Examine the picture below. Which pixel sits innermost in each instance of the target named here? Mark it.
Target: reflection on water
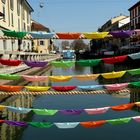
(12, 132)
(128, 131)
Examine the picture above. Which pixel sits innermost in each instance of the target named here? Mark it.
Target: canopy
(95, 35)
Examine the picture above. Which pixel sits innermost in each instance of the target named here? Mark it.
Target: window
(12, 19)
(3, 1)
(42, 43)
(18, 24)
(4, 45)
(28, 28)
(28, 17)
(12, 4)
(12, 42)
(4, 12)
(139, 10)
(23, 14)
(18, 7)
(24, 26)
(24, 44)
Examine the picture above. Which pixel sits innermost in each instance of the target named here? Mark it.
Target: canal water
(108, 132)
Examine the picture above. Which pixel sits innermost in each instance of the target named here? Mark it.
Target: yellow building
(41, 45)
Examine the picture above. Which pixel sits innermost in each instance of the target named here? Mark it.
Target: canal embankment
(27, 71)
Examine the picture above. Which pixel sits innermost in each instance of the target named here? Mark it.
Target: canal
(119, 132)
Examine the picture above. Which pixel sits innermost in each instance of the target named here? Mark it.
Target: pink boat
(35, 78)
(96, 110)
(116, 86)
(137, 118)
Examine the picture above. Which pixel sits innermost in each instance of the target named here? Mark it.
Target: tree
(79, 45)
(65, 44)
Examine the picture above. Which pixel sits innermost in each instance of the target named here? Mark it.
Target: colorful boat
(67, 35)
(113, 74)
(91, 87)
(9, 62)
(63, 64)
(123, 107)
(93, 123)
(122, 34)
(116, 86)
(87, 77)
(10, 76)
(35, 78)
(37, 89)
(9, 88)
(95, 35)
(88, 63)
(63, 88)
(66, 125)
(60, 78)
(35, 63)
(96, 110)
(113, 60)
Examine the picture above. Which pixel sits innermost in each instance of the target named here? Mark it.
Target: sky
(78, 15)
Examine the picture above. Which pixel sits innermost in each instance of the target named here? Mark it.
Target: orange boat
(9, 88)
(123, 107)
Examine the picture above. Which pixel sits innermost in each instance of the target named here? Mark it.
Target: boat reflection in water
(8, 132)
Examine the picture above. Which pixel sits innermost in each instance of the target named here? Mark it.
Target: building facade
(41, 45)
(17, 17)
(135, 16)
(115, 23)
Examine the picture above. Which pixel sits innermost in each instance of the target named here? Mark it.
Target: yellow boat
(37, 88)
(87, 77)
(95, 35)
(60, 78)
(113, 74)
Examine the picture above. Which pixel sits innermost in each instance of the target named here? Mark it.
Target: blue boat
(68, 54)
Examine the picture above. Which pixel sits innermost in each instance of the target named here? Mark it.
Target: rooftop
(135, 5)
(39, 27)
